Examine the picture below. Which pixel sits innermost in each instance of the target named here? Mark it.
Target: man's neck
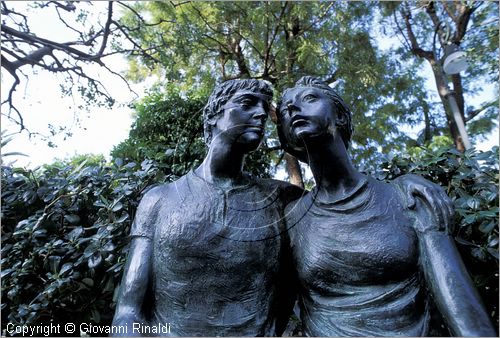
(223, 165)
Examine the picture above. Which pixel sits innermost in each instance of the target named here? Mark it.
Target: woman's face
(306, 114)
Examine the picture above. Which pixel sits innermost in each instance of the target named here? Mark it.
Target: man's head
(223, 93)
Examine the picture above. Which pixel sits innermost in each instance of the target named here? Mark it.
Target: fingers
(437, 208)
(410, 199)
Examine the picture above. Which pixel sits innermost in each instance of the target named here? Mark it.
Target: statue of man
(206, 251)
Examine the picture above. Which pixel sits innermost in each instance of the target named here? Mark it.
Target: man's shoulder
(158, 192)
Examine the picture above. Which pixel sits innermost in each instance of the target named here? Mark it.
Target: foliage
(168, 129)
(64, 229)
(77, 160)
(280, 42)
(424, 29)
(64, 237)
(471, 180)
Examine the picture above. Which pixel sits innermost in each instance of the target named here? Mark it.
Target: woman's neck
(332, 169)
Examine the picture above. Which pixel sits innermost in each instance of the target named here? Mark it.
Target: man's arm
(134, 285)
(137, 273)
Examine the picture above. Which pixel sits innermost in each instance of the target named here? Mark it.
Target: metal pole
(450, 95)
(458, 119)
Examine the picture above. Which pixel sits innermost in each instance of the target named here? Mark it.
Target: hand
(432, 194)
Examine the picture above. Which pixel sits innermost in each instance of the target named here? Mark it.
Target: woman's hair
(222, 93)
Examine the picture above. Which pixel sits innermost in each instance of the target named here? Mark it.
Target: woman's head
(309, 110)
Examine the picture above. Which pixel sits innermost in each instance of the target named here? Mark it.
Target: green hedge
(64, 239)
(65, 227)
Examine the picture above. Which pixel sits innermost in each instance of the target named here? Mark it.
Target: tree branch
(415, 47)
(473, 113)
(465, 13)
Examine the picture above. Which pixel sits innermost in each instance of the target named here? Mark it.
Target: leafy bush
(64, 238)
(471, 180)
(168, 129)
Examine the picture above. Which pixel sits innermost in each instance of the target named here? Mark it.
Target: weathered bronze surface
(206, 251)
(364, 259)
(221, 253)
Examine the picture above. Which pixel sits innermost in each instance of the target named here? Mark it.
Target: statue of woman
(366, 263)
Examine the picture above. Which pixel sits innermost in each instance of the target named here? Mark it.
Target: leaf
(479, 253)
(109, 246)
(493, 242)
(464, 242)
(88, 281)
(72, 218)
(95, 260)
(54, 263)
(66, 267)
(6, 272)
(122, 218)
(100, 203)
(77, 169)
(96, 317)
(75, 233)
(493, 252)
(486, 227)
(490, 195)
(469, 219)
(473, 203)
(117, 207)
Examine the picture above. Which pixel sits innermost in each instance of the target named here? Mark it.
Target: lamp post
(453, 62)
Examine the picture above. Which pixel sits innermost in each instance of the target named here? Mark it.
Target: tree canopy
(425, 29)
(196, 44)
(280, 42)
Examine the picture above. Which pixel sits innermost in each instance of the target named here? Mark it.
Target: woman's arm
(448, 280)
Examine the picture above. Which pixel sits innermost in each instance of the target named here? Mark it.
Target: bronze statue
(206, 251)
(209, 253)
(364, 259)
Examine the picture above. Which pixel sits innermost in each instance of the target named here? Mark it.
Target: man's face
(243, 120)
(305, 114)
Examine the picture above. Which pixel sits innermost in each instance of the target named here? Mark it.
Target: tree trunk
(293, 169)
(291, 163)
(444, 91)
(427, 130)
